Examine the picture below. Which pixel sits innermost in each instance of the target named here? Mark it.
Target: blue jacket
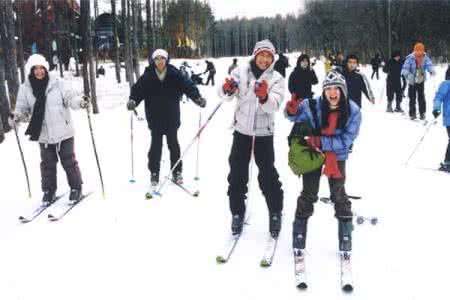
(409, 68)
(442, 98)
(340, 142)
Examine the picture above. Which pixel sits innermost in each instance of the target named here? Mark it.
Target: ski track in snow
(126, 247)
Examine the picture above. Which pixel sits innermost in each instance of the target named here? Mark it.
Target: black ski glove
(436, 113)
(131, 105)
(200, 102)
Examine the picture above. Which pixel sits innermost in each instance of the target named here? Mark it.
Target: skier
(339, 62)
(46, 99)
(259, 91)
(185, 69)
(281, 64)
(393, 69)
(211, 70)
(328, 65)
(334, 121)
(416, 65)
(356, 82)
(375, 62)
(302, 78)
(161, 87)
(233, 66)
(442, 100)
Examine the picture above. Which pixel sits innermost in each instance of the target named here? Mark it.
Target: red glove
(313, 141)
(261, 91)
(230, 86)
(292, 105)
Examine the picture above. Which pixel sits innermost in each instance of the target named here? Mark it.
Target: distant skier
(442, 103)
(233, 66)
(161, 87)
(393, 69)
(281, 64)
(415, 69)
(331, 123)
(376, 63)
(47, 100)
(356, 82)
(302, 78)
(339, 62)
(259, 91)
(211, 70)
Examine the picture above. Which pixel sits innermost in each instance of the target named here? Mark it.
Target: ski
(228, 249)
(67, 209)
(38, 211)
(300, 269)
(346, 272)
(269, 252)
(189, 192)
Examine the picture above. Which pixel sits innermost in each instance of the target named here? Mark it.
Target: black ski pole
(23, 159)
(189, 146)
(420, 142)
(95, 151)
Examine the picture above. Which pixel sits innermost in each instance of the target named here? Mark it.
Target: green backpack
(301, 158)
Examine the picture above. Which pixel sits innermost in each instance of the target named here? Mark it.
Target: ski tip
(264, 263)
(52, 218)
(348, 288)
(23, 220)
(302, 286)
(220, 260)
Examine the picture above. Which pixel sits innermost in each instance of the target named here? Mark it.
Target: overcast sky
(224, 9)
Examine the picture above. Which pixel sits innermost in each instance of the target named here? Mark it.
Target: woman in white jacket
(44, 98)
(259, 91)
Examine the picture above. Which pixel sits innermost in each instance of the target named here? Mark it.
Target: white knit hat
(36, 60)
(264, 45)
(160, 52)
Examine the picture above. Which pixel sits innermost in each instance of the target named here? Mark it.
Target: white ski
(346, 272)
(269, 252)
(300, 270)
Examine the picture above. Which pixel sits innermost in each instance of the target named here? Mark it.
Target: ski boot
(48, 198)
(237, 224)
(398, 109)
(177, 177)
(389, 107)
(75, 195)
(345, 228)
(422, 117)
(299, 233)
(275, 224)
(413, 117)
(445, 166)
(154, 180)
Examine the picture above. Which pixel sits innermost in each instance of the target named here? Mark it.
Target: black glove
(131, 105)
(436, 113)
(200, 102)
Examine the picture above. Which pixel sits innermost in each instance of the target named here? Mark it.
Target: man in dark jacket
(212, 72)
(302, 78)
(357, 83)
(375, 62)
(281, 64)
(161, 87)
(393, 69)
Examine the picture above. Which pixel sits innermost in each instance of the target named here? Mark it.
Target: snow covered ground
(125, 247)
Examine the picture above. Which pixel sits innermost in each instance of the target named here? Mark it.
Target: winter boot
(299, 233)
(275, 224)
(177, 177)
(413, 117)
(237, 224)
(75, 195)
(154, 179)
(49, 197)
(422, 116)
(389, 107)
(345, 228)
(398, 108)
(445, 166)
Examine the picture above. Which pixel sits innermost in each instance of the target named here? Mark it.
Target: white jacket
(247, 105)
(57, 125)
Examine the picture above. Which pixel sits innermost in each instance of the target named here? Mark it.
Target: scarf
(255, 70)
(331, 168)
(37, 118)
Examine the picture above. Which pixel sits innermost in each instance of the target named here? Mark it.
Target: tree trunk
(129, 45)
(94, 49)
(11, 53)
(149, 27)
(135, 39)
(21, 63)
(115, 40)
(59, 33)
(125, 28)
(4, 103)
(46, 32)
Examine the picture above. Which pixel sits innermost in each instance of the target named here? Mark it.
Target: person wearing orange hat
(416, 65)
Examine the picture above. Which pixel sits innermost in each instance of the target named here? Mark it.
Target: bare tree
(11, 53)
(135, 38)
(115, 40)
(46, 31)
(20, 58)
(4, 103)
